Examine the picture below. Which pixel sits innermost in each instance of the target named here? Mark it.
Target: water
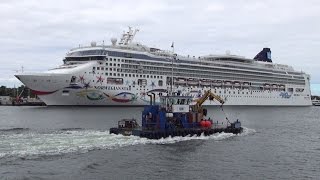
(74, 143)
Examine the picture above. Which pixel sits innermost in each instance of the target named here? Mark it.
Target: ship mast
(128, 36)
(173, 58)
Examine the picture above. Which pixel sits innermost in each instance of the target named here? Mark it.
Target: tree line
(23, 91)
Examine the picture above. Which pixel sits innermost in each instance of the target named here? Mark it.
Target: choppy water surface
(74, 143)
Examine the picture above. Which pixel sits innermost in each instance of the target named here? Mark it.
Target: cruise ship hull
(74, 99)
(54, 91)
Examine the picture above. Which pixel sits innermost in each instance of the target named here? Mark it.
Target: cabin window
(160, 83)
(98, 68)
(116, 81)
(102, 68)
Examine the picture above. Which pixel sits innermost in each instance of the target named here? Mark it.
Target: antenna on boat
(171, 91)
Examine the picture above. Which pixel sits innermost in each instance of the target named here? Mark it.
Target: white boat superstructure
(125, 73)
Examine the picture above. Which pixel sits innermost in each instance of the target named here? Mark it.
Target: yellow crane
(211, 96)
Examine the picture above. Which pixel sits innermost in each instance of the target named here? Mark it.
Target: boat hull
(158, 134)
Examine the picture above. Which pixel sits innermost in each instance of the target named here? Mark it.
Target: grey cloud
(37, 34)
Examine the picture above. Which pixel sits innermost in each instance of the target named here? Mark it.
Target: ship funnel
(264, 55)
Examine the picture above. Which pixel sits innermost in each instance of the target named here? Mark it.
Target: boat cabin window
(175, 100)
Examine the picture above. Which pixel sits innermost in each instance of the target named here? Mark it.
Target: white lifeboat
(193, 81)
(180, 81)
(281, 86)
(205, 82)
(217, 83)
(237, 84)
(227, 83)
(245, 84)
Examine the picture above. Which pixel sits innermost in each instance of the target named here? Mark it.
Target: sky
(37, 34)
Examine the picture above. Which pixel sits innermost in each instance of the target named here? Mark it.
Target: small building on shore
(5, 100)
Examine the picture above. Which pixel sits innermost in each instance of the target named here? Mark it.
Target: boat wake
(33, 144)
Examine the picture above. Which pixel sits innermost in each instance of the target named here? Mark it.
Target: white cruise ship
(124, 73)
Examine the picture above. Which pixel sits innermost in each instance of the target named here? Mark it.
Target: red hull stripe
(42, 92)
(121, 100)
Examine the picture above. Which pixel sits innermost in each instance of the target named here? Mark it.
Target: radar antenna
(127, 37)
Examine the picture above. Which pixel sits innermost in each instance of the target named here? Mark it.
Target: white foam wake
(45, 144)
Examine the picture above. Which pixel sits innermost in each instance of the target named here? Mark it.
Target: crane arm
(218, 98)
(209, 95)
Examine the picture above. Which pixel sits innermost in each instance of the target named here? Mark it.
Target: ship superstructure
(125, 72)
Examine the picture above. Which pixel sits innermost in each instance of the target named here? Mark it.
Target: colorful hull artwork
(93, 95)
(123, 97)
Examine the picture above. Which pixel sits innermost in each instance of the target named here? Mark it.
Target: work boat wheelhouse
(124, 72)
(175, 117)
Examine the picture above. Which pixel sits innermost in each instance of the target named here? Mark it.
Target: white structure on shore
(5, 100)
